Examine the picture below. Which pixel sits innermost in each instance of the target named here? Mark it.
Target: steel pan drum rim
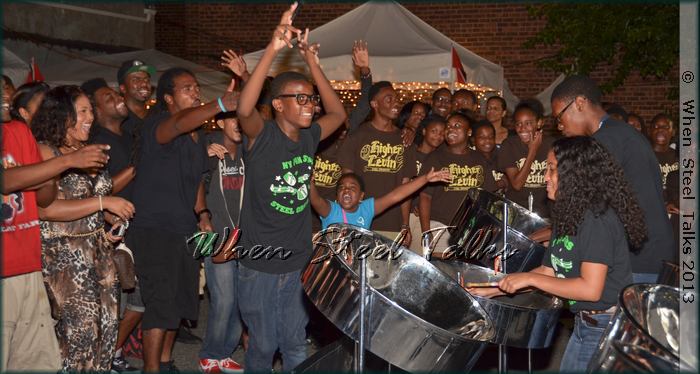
(559, 304)
(634, 320)
(475, 303)
(519, 207)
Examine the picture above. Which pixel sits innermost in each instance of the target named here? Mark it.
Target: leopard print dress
(81, 278)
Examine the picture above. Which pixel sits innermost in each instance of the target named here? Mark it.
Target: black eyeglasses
(302, 99)
(558, 118)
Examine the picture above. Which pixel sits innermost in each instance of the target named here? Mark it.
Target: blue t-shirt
(362, 217)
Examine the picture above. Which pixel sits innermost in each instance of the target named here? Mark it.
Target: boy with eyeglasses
(276, 216)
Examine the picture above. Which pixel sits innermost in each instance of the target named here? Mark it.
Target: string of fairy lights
(349, 93)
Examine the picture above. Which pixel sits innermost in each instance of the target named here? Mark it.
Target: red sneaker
(209, 366)
(227, 365)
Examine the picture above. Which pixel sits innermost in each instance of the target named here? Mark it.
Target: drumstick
(480, 284)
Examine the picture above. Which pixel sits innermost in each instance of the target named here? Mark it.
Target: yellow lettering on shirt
(326, 173)
(536, 177)
(383, 158)
(464, 177)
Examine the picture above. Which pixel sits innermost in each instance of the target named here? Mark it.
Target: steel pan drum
(647, 318)
(477, 231)
(525, 320)
(417, 318)
(670, 274)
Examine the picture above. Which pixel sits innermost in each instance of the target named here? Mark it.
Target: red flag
(34, 74)
(459, 69)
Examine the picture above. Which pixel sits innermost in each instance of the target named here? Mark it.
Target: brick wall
(494, 31)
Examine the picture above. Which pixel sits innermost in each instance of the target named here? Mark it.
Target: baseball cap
(133, 66)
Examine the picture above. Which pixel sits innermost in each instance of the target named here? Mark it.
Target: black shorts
(168, 277)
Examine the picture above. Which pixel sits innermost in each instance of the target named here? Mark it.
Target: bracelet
(405, 226)
(221, 105)
(99, 198)
(362, 76)
(207, 211)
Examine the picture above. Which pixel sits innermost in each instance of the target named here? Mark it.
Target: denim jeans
(645, 277)
(224, 322)
(583, 342)
(272, 306)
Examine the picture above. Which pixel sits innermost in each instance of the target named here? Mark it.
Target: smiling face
(457, 131)
(434, 134)
(463, 101)
(418, 112)
(231, 129)
(385, 103)
(442, 103)
(300, 116)
(526, 124)
(485, 139)
(109, 104)
(551, 176)
(7, 92)
(137, 87)
(349, 193)
(79, 132)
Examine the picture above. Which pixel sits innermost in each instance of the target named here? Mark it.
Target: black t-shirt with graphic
(276, 212)
(512, 154)
(634, 154)
(327, 172)
(668, 162)
(602, 240)
(466, 173)
(379, 158)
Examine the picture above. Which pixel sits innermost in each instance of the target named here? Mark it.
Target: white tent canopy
(14, 67)
(402, 48)
(213, 83)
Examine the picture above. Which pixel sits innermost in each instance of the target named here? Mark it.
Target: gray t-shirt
(224, 179)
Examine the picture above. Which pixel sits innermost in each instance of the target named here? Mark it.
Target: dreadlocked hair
(590, 179)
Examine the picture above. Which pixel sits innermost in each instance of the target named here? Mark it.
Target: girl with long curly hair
(595, 220)
(77, 265)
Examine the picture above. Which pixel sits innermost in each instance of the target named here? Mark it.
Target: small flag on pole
(461, 75)
(34, 74)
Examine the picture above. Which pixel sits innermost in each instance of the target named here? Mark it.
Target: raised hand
(439, 176)
(308, 52)
(536, 141)
(92, 156)
(360, 55)
(284, 32)
(234, 62)
(230, 100)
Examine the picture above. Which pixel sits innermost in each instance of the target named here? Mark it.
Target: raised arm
(403, 191)
(236, 64)
(190, 119)
(320, 205)
(250, 120)
(335, 112)
(360, 58)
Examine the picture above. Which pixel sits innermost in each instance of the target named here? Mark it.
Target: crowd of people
(92, 174)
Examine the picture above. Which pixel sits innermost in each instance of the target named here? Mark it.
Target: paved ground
(186, 355)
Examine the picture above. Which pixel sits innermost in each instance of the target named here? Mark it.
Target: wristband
(221, 105)
(99, 198)
(405, 226)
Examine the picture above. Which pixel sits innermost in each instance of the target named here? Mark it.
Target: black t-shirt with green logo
(602, 240)
(276, 214)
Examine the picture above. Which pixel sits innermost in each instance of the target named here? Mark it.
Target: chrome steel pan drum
(477, 231)
(647, 318)
(525, 320)
(417, 318)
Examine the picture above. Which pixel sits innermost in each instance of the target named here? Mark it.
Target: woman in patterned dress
(79, 273)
